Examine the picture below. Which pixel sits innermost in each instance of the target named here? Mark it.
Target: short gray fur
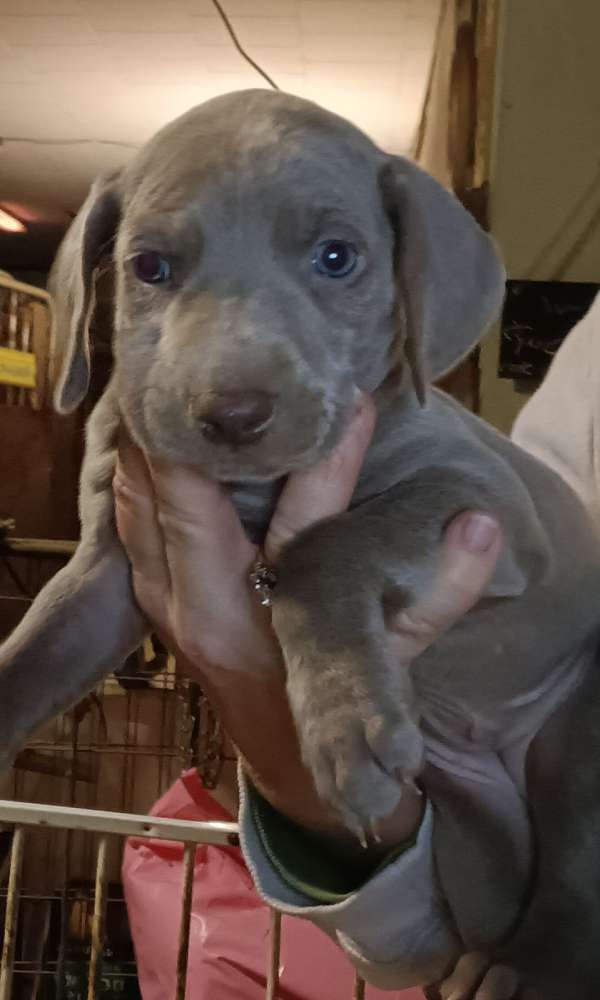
(238, 192)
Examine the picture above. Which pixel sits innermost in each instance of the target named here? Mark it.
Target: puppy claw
(411, 783)
(374, 827)
(362, 839)
(354, 825)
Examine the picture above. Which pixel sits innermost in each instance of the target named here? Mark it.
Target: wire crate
(114, 753)
(117, 751)
(87, 962)
(25, 363)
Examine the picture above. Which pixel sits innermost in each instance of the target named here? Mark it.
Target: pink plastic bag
(229, 925)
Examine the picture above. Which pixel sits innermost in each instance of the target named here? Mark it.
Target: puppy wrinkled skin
(268, 260)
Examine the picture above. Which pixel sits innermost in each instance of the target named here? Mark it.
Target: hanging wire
(242, 51)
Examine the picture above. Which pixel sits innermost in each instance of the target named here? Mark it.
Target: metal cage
(89, 773)
(24, 343)
(79, 789)
(112, 755)
(104, 828)
(107, 827)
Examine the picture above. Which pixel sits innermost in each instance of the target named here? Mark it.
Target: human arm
(190, 561)
(173, 522)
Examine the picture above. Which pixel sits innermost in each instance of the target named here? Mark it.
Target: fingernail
(479, 532)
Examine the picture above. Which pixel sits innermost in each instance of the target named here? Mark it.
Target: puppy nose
(235, 417)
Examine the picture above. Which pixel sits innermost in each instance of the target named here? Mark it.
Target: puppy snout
(234, 418)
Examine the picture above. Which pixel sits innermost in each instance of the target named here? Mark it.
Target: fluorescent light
(10, 224)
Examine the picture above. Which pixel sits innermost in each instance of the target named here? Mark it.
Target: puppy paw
(361, 750)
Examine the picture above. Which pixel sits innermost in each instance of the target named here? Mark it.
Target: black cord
(241, 51)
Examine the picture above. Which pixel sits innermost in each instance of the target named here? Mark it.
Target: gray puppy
(269, 259)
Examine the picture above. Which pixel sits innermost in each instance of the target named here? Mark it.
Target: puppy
(269, 259)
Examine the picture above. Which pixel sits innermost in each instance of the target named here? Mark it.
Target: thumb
(326, 488)
(467, 561)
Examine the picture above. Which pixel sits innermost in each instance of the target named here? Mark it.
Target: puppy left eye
(335, 258)
(151, 268)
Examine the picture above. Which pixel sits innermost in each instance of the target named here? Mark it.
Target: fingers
(137, 521)
(326, 488)
(214, 615)
(186, 542)
(190, 560)
(469, 553)
(196, 515)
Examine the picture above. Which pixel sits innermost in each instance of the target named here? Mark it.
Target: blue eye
(151, 268)
(335, 258)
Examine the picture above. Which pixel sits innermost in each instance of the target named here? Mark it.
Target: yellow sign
(17, 368)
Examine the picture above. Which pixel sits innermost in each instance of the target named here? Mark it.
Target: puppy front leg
(82, 625)
(352, 704)
(85, 621)
(352, 701)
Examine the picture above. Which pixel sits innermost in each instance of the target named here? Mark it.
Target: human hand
(190, 562)
(191, 558)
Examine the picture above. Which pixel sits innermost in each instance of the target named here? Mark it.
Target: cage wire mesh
(24, 343)
(118, 750)
(93, 975)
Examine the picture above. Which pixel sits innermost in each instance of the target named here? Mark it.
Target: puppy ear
(71, 285)
(450, 282)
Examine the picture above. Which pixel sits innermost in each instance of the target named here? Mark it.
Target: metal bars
(98, 918)
(189, 856)
(110, 824)
(274, 956)
(24, 344)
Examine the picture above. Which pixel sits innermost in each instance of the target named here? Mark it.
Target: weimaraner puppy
(269, 259)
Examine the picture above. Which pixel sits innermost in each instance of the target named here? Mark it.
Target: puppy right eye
(151, 268)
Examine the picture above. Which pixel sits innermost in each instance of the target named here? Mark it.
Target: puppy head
(269, 258)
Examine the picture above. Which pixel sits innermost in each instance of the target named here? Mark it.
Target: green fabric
(307, 868)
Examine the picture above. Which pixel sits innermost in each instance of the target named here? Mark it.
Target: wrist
(326, 864)
(254, 711)
(226, 661)
(300, 804)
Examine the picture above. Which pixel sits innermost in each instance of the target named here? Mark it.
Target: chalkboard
(536, 318)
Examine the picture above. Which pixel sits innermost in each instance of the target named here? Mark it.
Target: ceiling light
(9, 223)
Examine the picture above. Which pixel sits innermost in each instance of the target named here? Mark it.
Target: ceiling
(116, 70)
